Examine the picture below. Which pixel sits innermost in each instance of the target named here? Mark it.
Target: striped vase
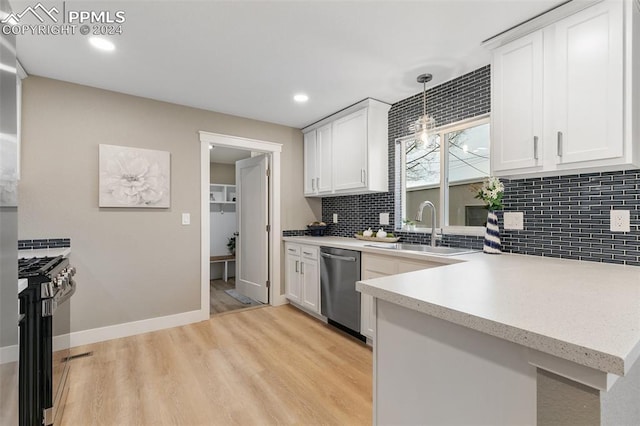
(492, 235)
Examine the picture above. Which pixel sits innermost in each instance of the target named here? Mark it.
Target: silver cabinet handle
(363, 177)
(559, 144)
(302, 268)
(292, 250)
(535, 147)
(313, 184)
(318, 184)
(307, 253)
(297, 263)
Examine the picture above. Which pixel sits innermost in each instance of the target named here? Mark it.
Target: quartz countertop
(48, 252)
(584, 312)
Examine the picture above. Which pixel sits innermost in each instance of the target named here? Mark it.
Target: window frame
(401, 179)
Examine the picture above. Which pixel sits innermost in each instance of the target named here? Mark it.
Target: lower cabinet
(376, 266)
(302, 276)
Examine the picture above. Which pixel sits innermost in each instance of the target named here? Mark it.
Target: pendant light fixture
(423, 127)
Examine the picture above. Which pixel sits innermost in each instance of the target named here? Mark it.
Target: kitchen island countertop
(584, 312)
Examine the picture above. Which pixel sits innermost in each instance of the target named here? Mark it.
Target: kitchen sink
(441, 251)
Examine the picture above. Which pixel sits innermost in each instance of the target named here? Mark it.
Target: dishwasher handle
(333, 256)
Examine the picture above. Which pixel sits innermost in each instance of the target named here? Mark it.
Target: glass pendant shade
(424, 126)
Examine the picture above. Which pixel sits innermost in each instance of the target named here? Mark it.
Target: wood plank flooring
(273, 365)
(221, 301)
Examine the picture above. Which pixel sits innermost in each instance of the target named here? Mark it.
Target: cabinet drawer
(309, 252)
(383, 265)
(292, 249)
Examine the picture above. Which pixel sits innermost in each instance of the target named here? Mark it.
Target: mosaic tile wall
(568, 216)
(44, 243)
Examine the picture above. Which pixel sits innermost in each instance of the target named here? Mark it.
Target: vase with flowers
(491, 192)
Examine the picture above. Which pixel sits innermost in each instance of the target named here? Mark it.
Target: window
(447, 178)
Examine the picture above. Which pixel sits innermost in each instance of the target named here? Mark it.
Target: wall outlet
(514, 221)
(186, 219)
(335, 218)
(384, 218)
(620, 221)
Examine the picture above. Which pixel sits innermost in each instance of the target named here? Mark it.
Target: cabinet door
(310, 160)
(350, 151)
(589, 90)
(292, 277)
(368, 309)
(324, 166)
(517, 90)
(407, 266)
(310, 279)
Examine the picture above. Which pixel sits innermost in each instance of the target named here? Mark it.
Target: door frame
(274, 149)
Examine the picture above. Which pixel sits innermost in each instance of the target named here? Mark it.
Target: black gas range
(44, 313)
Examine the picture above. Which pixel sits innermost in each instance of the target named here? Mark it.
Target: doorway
(223, 231)
(273, 153)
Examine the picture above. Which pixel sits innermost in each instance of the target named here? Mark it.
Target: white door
(350, 147)
(252, 251)
(310, 161)
(589, 94)
(324, 165)
(517, 104)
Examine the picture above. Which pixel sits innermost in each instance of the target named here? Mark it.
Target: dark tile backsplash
(566, 216)
(44, 243)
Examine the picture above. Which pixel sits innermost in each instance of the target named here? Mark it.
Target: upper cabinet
(563, 94)
(347, 153)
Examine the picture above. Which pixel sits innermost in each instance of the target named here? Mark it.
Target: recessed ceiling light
(102, 43)
(301, 98)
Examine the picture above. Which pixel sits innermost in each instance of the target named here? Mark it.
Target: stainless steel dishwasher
(339, 271)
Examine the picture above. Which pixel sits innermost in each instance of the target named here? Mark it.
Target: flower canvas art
(134, 177)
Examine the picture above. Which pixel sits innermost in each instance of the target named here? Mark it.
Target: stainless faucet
(433, 219)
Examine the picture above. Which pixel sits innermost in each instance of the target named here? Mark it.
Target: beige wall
(133, 264)
(222, 173)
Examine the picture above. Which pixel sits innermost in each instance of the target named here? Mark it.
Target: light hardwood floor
(221, 302)
(271, 365)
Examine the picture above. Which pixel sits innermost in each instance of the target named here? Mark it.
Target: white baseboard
(95, 335)
(8, 354)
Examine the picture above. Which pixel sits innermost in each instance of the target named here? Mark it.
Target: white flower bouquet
(491, 192)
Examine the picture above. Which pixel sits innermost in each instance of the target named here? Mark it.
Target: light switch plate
(514, 221)
(186, 219)
(384, 218)
(335, 218)
(620, 221)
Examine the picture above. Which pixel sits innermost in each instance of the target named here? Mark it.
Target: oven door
(56, 342)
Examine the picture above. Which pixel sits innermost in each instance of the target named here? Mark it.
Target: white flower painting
(134, 177)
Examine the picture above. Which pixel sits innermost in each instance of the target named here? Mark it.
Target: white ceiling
(249, 58)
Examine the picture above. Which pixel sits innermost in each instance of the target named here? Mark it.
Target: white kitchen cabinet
(563, 95)
(347, 153)
(350, 165)
(516, 130)
(318, 179)
(376, 266)
(302, 276)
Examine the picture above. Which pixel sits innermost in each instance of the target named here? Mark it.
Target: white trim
(95, 335)
(21, 71)
(275, 237)
(545, 19)
(8, 354)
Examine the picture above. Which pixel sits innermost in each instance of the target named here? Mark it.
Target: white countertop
(50, 252)
(584, 312)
